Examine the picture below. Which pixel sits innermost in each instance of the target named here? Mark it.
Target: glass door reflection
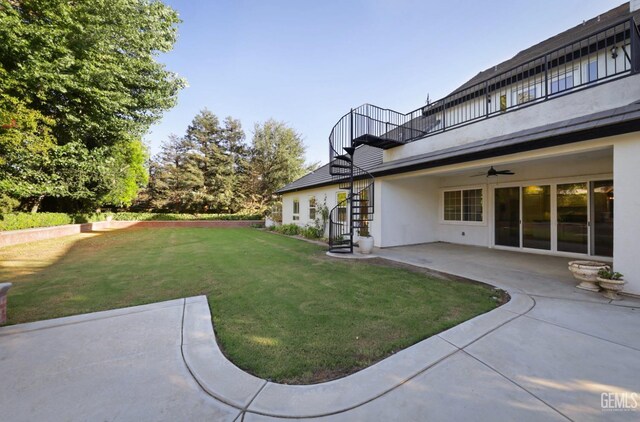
(573, 217)
(507, 217)
(602, 201)
(536, 217)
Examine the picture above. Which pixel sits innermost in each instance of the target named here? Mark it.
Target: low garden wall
(16, 237)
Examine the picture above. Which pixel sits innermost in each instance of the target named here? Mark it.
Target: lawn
(282, 309)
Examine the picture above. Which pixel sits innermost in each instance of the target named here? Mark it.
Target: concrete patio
(548, 354)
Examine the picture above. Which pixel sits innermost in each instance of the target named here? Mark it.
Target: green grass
(281, 308)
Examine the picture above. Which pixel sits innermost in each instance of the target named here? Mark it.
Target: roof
(365, 157)
(601, 124)
(558, 41)
(597, 125)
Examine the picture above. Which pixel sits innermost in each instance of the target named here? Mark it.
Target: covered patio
(532, 274)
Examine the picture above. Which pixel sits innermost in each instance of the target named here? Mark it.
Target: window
(592, 71)
(312, 207)
(562, 82)
(524, 95)
(463, 205)
(296, 209)
(341, 199)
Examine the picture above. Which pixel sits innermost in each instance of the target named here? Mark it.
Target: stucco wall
(598, 98)
(408, 211)
(328, 192)
(626, 159)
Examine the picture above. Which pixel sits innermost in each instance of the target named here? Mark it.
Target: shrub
(26, 220)
(149, 216)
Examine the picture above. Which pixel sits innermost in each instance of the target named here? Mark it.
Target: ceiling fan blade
(505, 172)
(479, 174)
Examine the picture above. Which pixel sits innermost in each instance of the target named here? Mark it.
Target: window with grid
(463, 205)
(472, 205)
(452, 205)
(312, 207)
(296, 209)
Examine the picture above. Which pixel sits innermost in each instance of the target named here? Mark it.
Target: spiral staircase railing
(365, 125)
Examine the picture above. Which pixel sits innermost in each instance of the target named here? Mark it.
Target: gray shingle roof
(558, 41)
(605, 123)
(366, 158)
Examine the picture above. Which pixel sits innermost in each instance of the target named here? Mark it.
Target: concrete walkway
(548, 354)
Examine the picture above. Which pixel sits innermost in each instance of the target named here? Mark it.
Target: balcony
(609, 54)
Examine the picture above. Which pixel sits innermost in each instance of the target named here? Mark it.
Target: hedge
(149, 216)
(24, 220)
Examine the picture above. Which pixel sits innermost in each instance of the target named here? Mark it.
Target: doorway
(574, 217)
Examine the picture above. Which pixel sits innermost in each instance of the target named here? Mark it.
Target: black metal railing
(607, 54)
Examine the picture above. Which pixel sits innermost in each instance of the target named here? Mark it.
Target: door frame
(552, 182)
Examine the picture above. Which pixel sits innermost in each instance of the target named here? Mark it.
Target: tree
(87, 68)
(276, 159)
(176, 180)
(221, 153)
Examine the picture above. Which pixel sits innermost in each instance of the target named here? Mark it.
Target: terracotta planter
(611, 288)
(365, 245)
(587, 273)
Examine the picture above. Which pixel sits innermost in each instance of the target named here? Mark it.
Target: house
(529, 155)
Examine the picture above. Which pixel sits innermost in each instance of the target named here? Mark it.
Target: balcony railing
(610, 53)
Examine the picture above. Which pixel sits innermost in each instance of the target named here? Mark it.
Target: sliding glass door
(602, 217)
(536, 217)
(574, 217)
(507, 216)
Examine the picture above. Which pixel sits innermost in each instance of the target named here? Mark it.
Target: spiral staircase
(365, 125)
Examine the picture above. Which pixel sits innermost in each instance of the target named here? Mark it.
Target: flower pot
(611, 287)
(365, 244)
(587, 273)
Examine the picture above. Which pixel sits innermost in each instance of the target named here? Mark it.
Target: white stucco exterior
(590, 200)
(626, 168)
(598, 98)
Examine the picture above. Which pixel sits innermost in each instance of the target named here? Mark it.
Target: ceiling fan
(493, 172)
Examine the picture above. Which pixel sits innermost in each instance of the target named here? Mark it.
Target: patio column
(626, 231)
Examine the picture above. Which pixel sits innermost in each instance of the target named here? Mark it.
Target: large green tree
(277, 158)
(221, 153)
(81, 81)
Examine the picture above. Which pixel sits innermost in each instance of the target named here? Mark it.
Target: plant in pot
(365, 243)
(587, 272)
(611, 283)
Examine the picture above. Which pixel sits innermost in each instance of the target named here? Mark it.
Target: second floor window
(524, 95)
(562, 82)
(296, 209)
(592, 71)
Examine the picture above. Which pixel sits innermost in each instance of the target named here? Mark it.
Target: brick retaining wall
(16, 237)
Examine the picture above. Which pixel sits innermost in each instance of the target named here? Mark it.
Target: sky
(308, 62)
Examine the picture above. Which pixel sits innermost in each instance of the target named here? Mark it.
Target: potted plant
(365, 243)
(587, 272)
(611, 282)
